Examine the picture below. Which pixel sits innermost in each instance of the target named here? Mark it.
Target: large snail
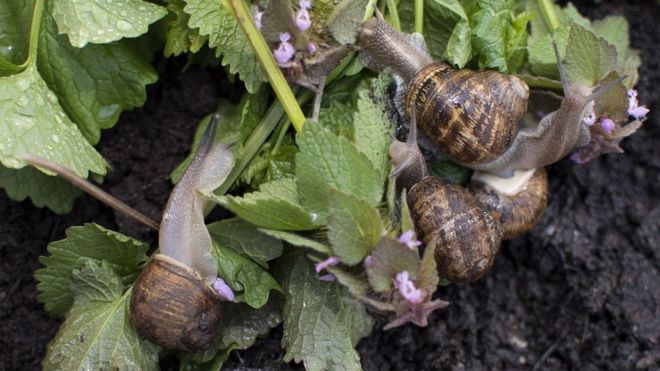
(175, 301)
(474, 116)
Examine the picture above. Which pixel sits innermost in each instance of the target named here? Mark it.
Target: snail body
(173, 302)
(467, 237)
(520, 212)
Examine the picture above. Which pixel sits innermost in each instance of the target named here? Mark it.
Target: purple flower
(634, 109)
(257, 16)
(285, 51)
(329, 262)
(407, 288)
(305, 4)
(368, 261)
(590, 118)
(303, 21)
(223, 290)
(406, 238)
(311, 48)
(327, 278)
(608, 125)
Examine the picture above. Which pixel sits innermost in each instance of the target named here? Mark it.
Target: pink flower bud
(257, 16)
(305, 4)
(608, 125)
(329, 262)
(406, 238)
(311, 48)
(223, 290)
(327, 278)
(634, 109)
(368, 261)
(303, 21)
(407, 288)
(285, 50)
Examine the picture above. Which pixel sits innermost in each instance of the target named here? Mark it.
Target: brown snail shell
(472, 116)
(172, 306)
(466, 236)
(519, 213)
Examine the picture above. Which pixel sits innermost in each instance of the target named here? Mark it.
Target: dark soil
(581, 291)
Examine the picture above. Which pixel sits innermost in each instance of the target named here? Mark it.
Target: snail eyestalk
(90, 189)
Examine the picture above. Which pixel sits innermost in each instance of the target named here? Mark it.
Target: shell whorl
(172, 306)
(472, 116)
(519, 213)
(467, 237)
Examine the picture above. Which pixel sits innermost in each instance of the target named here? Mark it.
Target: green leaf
(225, 35)
(389, 258)
(214, 363)
(328, 161)
(298, 240)
(242, 325)
(372, 132)
(90, 242)
(338, 118)
(407, 222)
(97, 333)
(275, 206)
(588, 57)
(102, 22)
(428, 272)
(499, 36)
(542, 59)
(245, 238)
(33, 122)
(44, 190)
(242, 274)
(322, 323)
(354, 227)
(269, 166)
(15, 30)
(96, 83)
(180, 38)
(451, 171)
(345, 20)
(459, 51)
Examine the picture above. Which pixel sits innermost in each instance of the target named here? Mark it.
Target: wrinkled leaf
(180, 38)
(588, 57)
(242, 274)
(322, 323)
(246, 239)
(122, 254)
(389, 258)
(372, 132)
(354, 227)
(97, 333)
(298, 240)
(345, 20)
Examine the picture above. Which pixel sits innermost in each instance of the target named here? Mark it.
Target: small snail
(467, 228)
(174, 302)
(517, 212)
(467, 237)
(472, 116)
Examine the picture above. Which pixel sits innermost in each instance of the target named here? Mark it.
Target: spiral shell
(472, 116)
(466, 236)
(172, 306)
(520, 213)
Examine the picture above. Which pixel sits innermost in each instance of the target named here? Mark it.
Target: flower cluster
(606, 134)
(329, 262)
(286, 50)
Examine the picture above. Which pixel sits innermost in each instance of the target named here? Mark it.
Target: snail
(176, 299)
(466, 224)
(518, 209)
(472, 116)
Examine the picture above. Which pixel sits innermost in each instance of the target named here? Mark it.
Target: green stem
(547, 8)
(34, 31)
(369, 10)
(419, 16)
(275, 76)
(284, 127)
(394, 14)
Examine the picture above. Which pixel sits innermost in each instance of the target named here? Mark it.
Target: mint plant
(321, 242)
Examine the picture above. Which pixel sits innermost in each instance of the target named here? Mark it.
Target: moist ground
(581, 291)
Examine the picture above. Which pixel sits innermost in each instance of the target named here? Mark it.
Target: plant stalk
(419, 16)
(549, 16)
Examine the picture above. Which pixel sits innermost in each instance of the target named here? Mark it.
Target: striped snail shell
(472, 116)
(466, 235)
(173, 306)
(517, 213)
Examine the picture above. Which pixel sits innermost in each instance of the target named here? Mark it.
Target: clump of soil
(580, 291)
